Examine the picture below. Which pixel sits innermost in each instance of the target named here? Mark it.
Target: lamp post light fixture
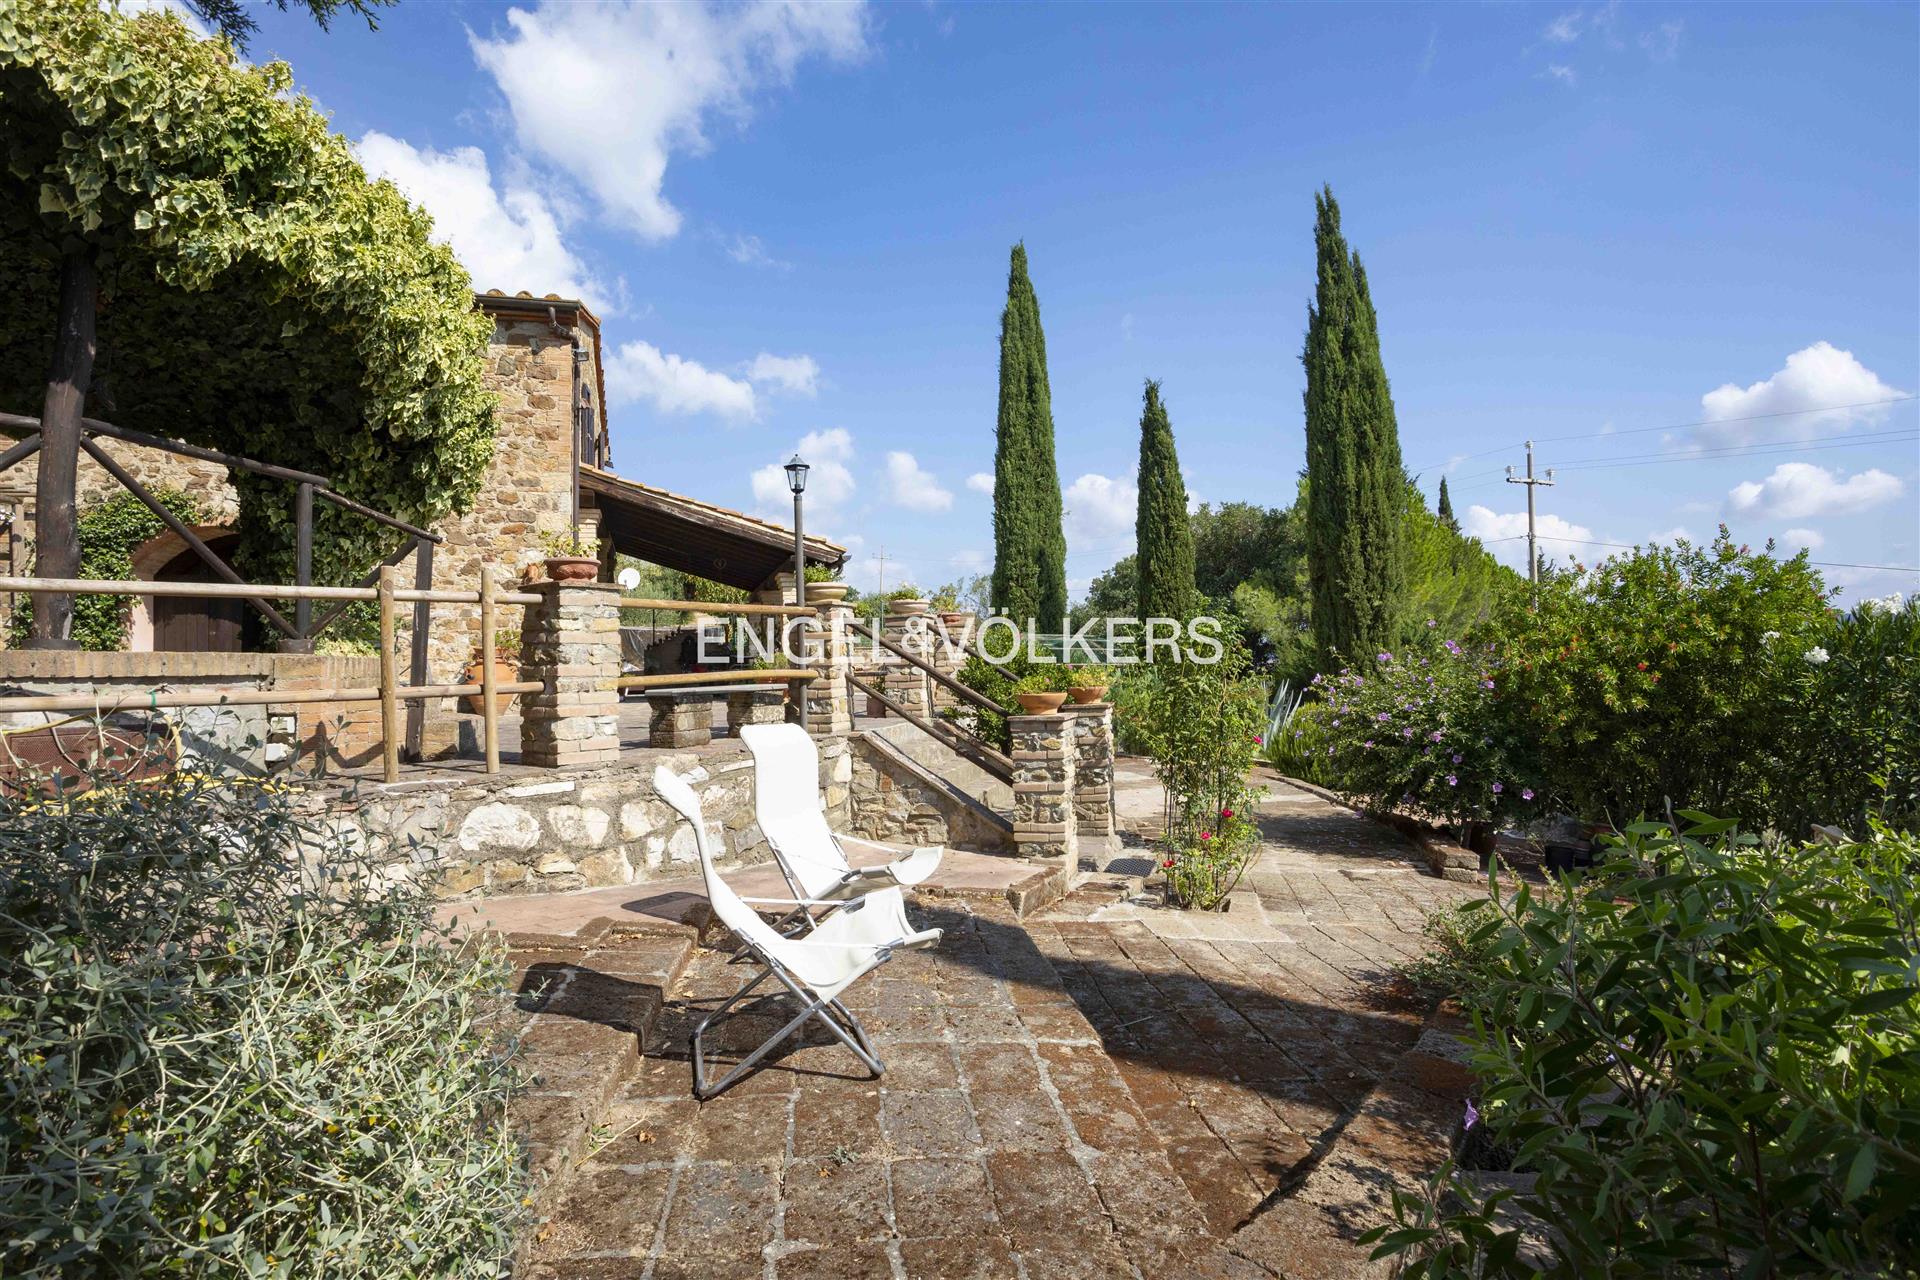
(797, 481)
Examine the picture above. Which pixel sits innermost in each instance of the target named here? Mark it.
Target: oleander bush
(1706, 1059)
(229, 1048)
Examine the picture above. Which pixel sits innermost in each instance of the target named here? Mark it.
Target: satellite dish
(628, 578)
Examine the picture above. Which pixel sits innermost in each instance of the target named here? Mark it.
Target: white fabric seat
(815, 969)
(787, 805)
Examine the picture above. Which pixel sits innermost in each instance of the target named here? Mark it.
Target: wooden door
(182, 624)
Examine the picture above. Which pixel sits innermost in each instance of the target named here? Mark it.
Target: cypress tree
(1029, 547)
(1445, 511)
(1356, 486)
(1161, 528)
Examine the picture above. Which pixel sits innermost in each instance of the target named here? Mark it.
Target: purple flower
(1406, 733)
(1473, 1115)
(1367, 743)
(1486, 684)
(1432, 623)
(1384, 657)
(1435, 735)
(1497, 788)
(1453, 647)
(1456, 757)
(1526, 793)
(1452, 781)
(1384, 716)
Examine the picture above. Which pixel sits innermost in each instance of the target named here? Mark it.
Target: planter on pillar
(570, 642)
(1043, 787)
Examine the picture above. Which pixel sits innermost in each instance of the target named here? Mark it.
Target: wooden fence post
(417, 664)
(389, 701)
(489, 710)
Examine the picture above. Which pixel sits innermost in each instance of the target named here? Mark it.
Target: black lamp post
(797, 481)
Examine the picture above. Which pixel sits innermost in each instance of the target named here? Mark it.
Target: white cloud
(981, 482)
(509, 241)
(751, 251)
(1662, 43)
(913, 486)
(1679, 533)
(1811, 539)
(673, 384)
(1505, 536)
(796, 375)
(608, 93)
(830, 484)
(1564, 74)
(1100, 509)
(1800, 490)
(1814, 378)
(1564, 29)
(969, 561)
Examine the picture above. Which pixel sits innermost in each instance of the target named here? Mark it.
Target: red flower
(1643, 666)
(1168, 864)
(1226, 813)
(1206, 835)
(1258, 740)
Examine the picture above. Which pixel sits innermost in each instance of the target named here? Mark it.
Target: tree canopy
(1029, 545)
(257, 293)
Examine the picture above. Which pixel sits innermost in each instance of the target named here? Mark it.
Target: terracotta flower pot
(826, 592)
(572, 568)
(1040, 704)
(906, 608)
(955, 621)
(504, 672)
(1085, 693)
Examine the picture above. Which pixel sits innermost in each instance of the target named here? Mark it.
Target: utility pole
(1533, 553)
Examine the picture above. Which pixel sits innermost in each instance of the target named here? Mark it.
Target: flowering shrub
(1713, 1068)
(1428, 730)
(1201, 725)
(1852, 723)
(1662, 675)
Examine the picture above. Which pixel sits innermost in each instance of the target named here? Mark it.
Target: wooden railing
(389, 693)
(945, 732)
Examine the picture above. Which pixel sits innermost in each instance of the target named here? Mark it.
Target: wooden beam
(20, 422)
(69, 377)
(955, 740)
(389, 681)
(417, 657)
(20, 452)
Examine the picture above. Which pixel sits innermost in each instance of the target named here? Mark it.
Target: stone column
(1043, 769)
(1093, 773)
(904, 683)
(571, 642)
(829, 705)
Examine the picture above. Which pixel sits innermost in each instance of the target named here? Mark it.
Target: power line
(1747, 451)
(1677, 426)
(1630, 546)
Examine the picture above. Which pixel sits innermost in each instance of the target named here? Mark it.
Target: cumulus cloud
(639, 371)
(509, 240)
(830, 483)
(796, 375)
(1809, 386)
(1100, 508)
(1679, 533)
(1811, 539)
(751, 251)
(912, 486)
(1505, 534)
(981, 482)
(609, 93)
(1800, 491)
(174, 7)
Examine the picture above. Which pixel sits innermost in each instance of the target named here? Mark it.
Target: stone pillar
(904, 683)
(679, 719)
(1093, 774)
(829, 705)
(570, 641)
(754, 706)
(1043, 770)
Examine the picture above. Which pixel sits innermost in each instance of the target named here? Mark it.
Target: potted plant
(824, 585)
(506, 669)
(906, 601)
(946, 603)
(571, 558)
(1035, 698)
(1089, 684)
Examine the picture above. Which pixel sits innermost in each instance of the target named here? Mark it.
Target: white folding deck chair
(815, 969)
(786, 804)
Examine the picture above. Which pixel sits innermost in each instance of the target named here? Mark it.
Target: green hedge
(224, 1052)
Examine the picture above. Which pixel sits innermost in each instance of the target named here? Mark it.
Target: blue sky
(1591, 225)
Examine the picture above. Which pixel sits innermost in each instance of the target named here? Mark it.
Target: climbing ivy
(109, 532)
(258, 293)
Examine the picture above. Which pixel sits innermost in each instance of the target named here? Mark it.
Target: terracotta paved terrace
(1105, 1089)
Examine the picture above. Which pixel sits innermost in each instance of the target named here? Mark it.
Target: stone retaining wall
(342, 733)
(895, 799)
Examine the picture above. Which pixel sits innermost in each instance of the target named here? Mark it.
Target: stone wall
(530, 831)
(896, 799)
(1043, 773)
(343, 734)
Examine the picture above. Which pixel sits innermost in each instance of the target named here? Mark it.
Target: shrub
(1653, 676)
(1429, 730)
(231, 1050)
(1712, 1066)
(108, 532)
(1851, 741)
(1299, 747)
(1200, 724)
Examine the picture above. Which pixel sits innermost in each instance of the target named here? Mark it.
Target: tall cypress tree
(1029, 547)
(1356, 486)
(1161, 527)
(1445, 510)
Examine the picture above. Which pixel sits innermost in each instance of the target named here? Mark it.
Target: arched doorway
(186, 624)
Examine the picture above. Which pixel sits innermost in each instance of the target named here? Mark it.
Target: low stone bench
(683, 716)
